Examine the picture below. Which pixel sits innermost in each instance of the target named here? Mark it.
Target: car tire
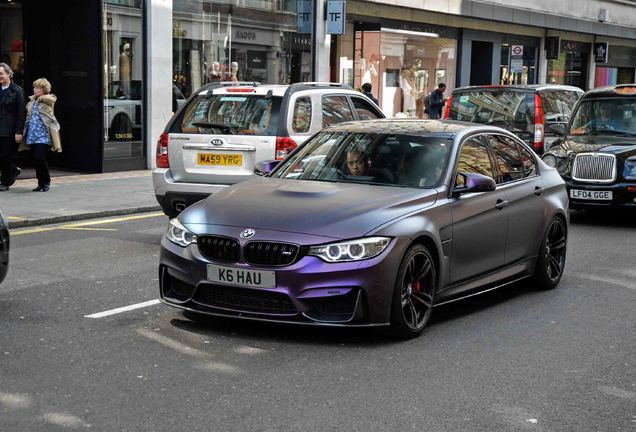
(414, 293)
(551, 258)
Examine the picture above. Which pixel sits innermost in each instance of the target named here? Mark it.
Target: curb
(81, 216)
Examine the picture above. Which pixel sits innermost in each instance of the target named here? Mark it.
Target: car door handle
(501, 204)
(538, 190)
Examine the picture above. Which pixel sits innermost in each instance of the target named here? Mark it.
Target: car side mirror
(263, 168)
(472, 182)
(557, 129)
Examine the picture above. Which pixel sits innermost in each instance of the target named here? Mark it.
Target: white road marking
(65, 420)
(171, 343)
(123, 309)
(14, 400)
(612, 281)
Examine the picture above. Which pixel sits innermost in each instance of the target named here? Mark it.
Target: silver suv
(225, 128)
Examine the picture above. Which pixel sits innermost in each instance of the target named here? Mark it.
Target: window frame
(464, 140)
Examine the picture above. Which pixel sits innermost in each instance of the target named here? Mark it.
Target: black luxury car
(4, 247)
(596, 155)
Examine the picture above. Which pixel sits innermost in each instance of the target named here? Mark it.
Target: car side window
(473, 159)
(363, 109)
(528, 161)
(508, 160)
(335, 109)
(301, 121)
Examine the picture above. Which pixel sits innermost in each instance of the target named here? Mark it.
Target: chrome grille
(594, 168)
(268, 253)
(219, 248)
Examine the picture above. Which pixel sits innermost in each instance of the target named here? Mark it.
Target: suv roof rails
(293, 88)
(217, 84)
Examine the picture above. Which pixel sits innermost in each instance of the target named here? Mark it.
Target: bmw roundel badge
(248, 233)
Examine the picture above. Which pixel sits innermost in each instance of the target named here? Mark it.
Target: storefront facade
(120, 68)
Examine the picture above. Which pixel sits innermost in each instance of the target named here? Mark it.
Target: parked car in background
(226, 128)
(4, 247)
(597, 153)
(438, 211)
(123, 106)
(525, 110)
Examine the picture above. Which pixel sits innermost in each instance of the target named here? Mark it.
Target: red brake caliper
(417, 286)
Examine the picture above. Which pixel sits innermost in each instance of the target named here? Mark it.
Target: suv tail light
(162, 151)
(448, 106)
(539, 119)
(284, 146)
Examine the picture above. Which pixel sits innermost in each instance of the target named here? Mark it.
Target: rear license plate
(241, 277)
(591, 195)
(222, 159)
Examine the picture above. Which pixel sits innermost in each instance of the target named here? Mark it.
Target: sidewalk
(78, 197)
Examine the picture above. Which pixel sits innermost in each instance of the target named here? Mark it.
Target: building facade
(120, 68)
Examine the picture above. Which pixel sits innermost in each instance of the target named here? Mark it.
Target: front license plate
(223, 159)
(241, 277)
(591, 195)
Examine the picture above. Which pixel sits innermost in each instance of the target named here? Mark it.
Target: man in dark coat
(366, 90)
(12, 112)
(435, 101)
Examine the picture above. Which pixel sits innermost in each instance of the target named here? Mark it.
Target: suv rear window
(231, 114)
(511, 110)
(558, 105)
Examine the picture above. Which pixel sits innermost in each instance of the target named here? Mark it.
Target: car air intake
(244, 299)
(219, 248)
(267, 253)
(594, 168)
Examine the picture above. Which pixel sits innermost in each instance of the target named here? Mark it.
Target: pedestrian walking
(366, 90)
(11, 126)
(41, 130)
(435, 101)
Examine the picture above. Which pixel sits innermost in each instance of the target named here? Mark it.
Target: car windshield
(610, 116)
(231, 114)
(383, 159)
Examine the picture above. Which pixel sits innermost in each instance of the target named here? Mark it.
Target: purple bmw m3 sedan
(371, 223)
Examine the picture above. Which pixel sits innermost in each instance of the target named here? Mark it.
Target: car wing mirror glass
(557, 129)
(472, 182)
(263, 168)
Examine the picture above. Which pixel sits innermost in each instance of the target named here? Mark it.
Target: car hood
(337, 210)
(605, 144)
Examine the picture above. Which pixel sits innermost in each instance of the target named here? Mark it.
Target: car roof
(528, 87)
(621, 90)
(407, 126)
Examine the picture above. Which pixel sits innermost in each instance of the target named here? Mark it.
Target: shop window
(123, 79)
(335, 109)
(302, 115)
(572, 65)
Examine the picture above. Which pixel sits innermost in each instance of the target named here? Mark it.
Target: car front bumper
(308, 291)
(621, 196)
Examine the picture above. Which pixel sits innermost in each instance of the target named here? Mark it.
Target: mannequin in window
(234, 71)
(124, 68)
(214, 72)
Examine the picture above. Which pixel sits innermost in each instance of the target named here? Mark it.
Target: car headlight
(352, 250)
(179, 235)
(550, 160)
(629, 171)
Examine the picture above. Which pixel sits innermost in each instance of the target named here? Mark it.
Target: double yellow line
(86, 226)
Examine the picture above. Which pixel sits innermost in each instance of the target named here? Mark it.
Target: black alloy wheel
(551, 261)
(414, 293)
